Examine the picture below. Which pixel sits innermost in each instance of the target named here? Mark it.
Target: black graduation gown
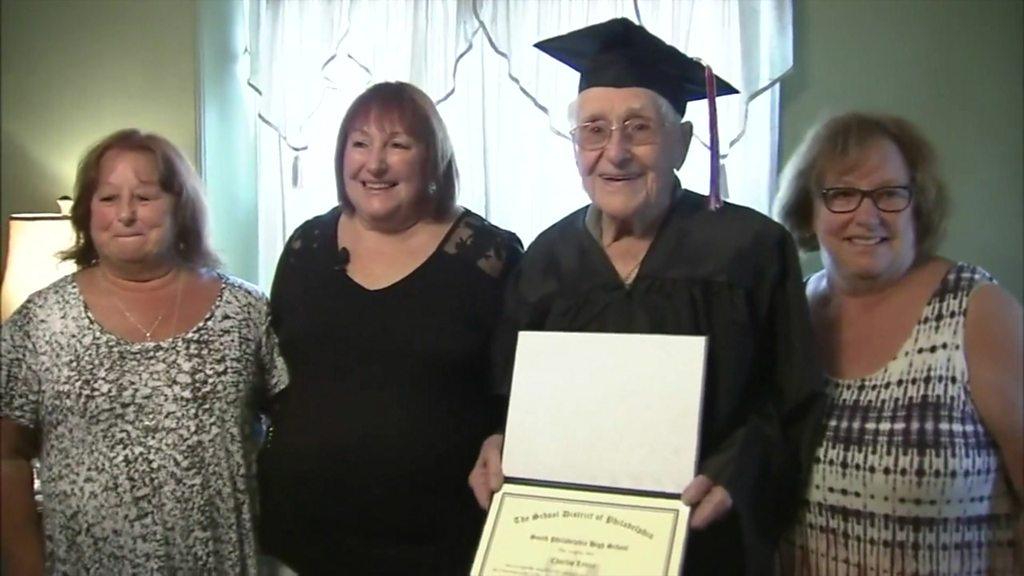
(732, 275)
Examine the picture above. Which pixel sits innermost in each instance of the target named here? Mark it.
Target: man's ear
(685, 137)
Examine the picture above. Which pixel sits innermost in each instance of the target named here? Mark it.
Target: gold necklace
(148, 333)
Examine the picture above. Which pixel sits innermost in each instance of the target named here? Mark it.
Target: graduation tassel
(715, 193)
(622, 54)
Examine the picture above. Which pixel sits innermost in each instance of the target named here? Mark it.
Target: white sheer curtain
(504, 102)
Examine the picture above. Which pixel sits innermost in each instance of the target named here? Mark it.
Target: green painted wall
(227, 135)
(72, 71)
(955, 68)
(75, 70)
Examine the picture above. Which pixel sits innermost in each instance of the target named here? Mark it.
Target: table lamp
(33, 244)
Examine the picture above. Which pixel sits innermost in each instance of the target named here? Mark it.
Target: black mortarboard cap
(621, 54)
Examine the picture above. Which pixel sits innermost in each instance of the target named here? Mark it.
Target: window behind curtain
(503, 102)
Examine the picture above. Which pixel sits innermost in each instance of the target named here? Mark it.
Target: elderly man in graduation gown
(647, 256)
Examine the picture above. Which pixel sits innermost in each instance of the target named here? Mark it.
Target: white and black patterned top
(147, 454)
(907, 480)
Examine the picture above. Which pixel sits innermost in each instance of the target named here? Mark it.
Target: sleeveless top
(907, 480)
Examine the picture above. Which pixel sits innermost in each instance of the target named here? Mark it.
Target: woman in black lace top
(385, 307)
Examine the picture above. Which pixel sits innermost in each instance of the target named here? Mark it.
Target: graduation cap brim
(621, 54)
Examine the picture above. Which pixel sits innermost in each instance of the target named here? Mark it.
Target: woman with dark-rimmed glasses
(921, 468)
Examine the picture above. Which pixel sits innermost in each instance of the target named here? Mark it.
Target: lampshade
(33, 241)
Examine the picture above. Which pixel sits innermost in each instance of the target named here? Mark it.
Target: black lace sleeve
(495, 251)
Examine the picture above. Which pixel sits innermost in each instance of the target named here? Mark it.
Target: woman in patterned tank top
(920, 470)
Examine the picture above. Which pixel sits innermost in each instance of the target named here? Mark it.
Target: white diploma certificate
(601, 439)
(535, 530)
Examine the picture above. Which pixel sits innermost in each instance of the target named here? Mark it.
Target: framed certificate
(600, 441)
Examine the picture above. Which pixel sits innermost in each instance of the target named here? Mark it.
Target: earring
(432, 188)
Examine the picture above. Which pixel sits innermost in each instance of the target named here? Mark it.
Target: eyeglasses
(886, 198)
(596, 134)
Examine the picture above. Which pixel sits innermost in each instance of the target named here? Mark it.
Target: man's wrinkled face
(625, 179)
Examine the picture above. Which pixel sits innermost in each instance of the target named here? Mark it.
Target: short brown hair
(416, 114)
(176, 177)
(840, 138)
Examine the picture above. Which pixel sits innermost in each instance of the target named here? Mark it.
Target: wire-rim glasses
(886, 199)
(596, 134)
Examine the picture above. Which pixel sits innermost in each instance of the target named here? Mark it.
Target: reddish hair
(413, 110)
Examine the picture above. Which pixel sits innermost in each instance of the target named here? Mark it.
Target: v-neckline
(606, 261)
(405, 278)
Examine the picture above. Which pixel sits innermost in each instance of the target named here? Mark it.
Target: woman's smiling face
(131, 216)
(384, 168)
(867, 247)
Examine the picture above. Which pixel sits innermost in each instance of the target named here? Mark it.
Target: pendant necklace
(148, 333)
(628, 277)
